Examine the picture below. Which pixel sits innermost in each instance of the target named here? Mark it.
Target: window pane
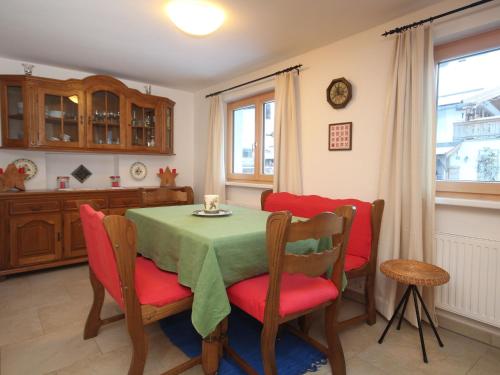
(468, 124)
(244, 140)
(268, 149)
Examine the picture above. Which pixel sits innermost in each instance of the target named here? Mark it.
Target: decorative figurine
(167, 178)
(12, 178)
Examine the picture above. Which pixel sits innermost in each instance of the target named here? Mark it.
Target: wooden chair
(295, 285)
(353, 269)
(167, 196)
(144, 292)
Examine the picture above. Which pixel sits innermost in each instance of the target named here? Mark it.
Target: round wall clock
(138, 171)
(339, 93)
(29, 166)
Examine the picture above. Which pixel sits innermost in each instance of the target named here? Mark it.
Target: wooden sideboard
(97, 113)
(42, 229)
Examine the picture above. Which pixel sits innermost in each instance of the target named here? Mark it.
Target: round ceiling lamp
(195, 17)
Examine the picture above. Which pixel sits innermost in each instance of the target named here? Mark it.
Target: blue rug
(293, 355)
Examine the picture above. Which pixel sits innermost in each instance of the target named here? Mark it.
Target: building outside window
(468, 118)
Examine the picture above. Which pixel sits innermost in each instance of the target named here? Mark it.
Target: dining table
(209, 253)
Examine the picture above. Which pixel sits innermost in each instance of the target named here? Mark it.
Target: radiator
(474, 267)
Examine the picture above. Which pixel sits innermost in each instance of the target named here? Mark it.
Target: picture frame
(340, 136)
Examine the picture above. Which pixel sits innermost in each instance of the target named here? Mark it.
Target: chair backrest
(365, 228)
(280, 230)
(165, 196)
(101, 256)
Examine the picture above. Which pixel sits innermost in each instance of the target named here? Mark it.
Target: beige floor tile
(19, 327)
(488, 364)
(46, 353)
(113, 363)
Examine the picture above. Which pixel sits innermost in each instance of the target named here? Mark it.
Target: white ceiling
(134, 39)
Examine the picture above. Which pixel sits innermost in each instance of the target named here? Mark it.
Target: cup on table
(211, 203)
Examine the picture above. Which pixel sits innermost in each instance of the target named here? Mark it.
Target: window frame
(468, 46)
(258, 101)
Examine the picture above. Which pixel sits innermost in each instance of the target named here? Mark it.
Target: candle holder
(167, 177)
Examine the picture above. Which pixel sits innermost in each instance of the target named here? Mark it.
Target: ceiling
(134, 39)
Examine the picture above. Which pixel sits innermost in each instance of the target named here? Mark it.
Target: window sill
(477, 203)
(249, 185)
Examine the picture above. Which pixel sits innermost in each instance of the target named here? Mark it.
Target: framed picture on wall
(340, 136)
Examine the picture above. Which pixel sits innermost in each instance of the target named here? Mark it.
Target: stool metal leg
(421, 333)
(403, 312)
(403, 299)
(429, 317)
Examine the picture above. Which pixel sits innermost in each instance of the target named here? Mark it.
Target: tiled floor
(42, 316)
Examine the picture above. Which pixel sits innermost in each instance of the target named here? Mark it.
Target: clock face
(339, 93)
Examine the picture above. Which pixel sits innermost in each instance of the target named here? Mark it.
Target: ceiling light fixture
(195, 17)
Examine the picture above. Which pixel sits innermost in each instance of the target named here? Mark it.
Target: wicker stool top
(414, 272)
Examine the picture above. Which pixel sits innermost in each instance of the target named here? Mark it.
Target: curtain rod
(295, 67)
(401, 29)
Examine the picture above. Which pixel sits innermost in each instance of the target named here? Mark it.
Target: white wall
(365, 59)
(102, 165)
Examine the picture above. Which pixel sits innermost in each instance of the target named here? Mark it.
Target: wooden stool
(413, 273)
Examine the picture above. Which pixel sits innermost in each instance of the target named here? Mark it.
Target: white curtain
(215, 173)
(287, 166)
(407, 177)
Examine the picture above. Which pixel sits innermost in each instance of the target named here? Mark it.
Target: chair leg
(139, 345)
(335, 351)
(267, 347)
(370, 299)
(305, 322)
(94, 321)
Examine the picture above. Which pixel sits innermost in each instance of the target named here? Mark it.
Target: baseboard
(467, 327)
(479, 331)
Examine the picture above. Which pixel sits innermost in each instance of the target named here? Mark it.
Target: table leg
(405, 297)
(419, 322)
(210, 352)
(429, 317)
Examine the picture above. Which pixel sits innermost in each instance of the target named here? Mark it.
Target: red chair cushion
(352, 262)
(152, 285)
(310, 205)
(100, 253)
(156, 287)
(298, 293)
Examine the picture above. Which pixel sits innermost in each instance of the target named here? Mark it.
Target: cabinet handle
(58, 236)
(36, 208)
(81, 119)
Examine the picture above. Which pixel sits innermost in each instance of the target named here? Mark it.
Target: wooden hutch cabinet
(97, 113)
(42, 229)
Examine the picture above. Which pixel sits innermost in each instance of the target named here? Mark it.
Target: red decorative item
(161, 171)
(21, 170)
(174, 171)
(1, 170)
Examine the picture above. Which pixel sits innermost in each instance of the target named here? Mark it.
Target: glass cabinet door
(168, 143)
(62, 119)
(143, 125)
(104, 120)
(14, 128)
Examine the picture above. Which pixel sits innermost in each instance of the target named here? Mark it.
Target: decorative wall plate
(30, 168)
(138, 171)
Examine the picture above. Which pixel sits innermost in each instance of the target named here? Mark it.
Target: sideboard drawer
(29, 207)
(124, 201)
(70, 204)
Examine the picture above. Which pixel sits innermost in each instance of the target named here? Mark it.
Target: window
(250, 139)
(468, 117)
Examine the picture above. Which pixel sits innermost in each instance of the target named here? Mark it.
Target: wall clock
(138, 171)
(339, 93)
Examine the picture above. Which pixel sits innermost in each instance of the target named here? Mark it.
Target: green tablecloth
(208, 253)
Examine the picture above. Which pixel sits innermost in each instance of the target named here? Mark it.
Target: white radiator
(474, 268)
